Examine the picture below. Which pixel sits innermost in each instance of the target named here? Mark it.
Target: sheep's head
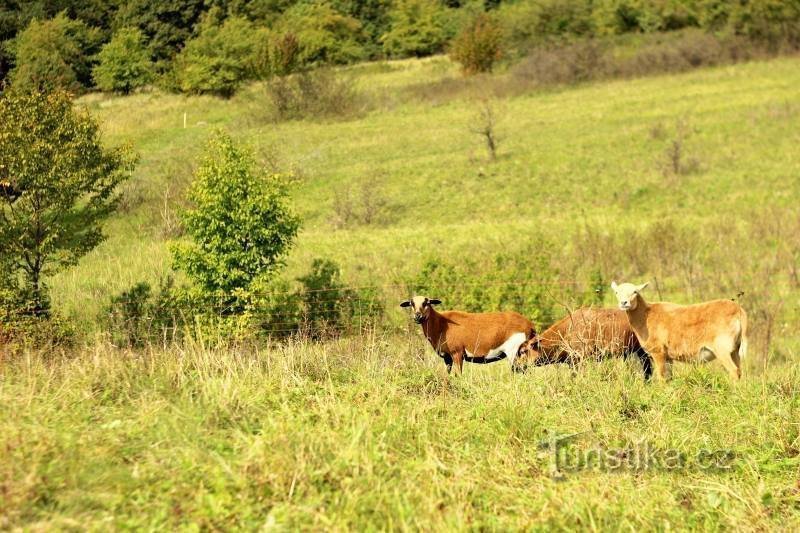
(529, 354)
(627, 294)
(421, 305)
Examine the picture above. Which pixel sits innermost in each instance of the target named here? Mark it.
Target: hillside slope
(597, 155)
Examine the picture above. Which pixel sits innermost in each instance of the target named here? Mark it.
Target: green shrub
(524, 282)
(331, 309)
(325, 35)
(219, 59)
(54, 54)
(478, 46)
(140, 316)
(240, 227)
(418, 28)
(123, 64)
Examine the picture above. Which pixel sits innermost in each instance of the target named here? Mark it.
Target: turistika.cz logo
(566, 455)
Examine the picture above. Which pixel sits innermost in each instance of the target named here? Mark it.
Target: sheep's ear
(434, 301)
(407, 303)
(641, 287)
(613, 285)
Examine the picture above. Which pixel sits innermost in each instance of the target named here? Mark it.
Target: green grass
(369, 433)
(585, 155)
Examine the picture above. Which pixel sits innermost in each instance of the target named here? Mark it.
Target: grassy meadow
(690, 179)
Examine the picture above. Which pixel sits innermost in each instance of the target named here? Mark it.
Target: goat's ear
(434, 301)
(407, 303)
(641, 287)
(613, 285)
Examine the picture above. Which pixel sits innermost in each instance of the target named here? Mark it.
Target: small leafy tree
(124, 63)
(64, 184)
(241, 225)
(54, 54)
(219, 59)
(479, 45)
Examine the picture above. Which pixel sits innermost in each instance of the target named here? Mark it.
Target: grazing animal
(473, 337)
(583, 334)
(700, 332)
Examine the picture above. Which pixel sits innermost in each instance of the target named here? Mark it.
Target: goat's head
(421, 305)
(627, 294)
(529, 354)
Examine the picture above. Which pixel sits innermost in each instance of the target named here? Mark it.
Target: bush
(54, 54)
(365, 204)
(240, 227)
(418, 28)
(478, 46)
(124, 63)
(219, 59)
(319, 94)
(523, 282)
(329, 308)
(325, 35)
(138, 316)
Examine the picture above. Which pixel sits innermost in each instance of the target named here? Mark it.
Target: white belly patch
(508, 349)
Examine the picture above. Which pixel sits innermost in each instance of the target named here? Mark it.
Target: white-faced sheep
(700, 332)
(473, 337)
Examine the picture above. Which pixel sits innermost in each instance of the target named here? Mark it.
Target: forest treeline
(212, 46)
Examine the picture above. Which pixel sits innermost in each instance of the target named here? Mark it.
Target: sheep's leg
(660, 361)
(724, 351)
(647, 363)
(448, 360)
(458, 359)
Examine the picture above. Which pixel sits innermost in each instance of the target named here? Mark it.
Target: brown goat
(700, 332)
(473, 337)
(583, 334)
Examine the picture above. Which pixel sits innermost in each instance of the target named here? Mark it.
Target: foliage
(123, 64)
(519, 282)
(54, 156)
(418, 28)
(478, 46)
(219, 59)
(325, 35)
(167, 25)
(774, 22)
(54, 53)
(329, 308)
(240, 227)
(374, 18)
(277, 55)
(138, 315)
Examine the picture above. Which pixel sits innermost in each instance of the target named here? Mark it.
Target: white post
(184, 120)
